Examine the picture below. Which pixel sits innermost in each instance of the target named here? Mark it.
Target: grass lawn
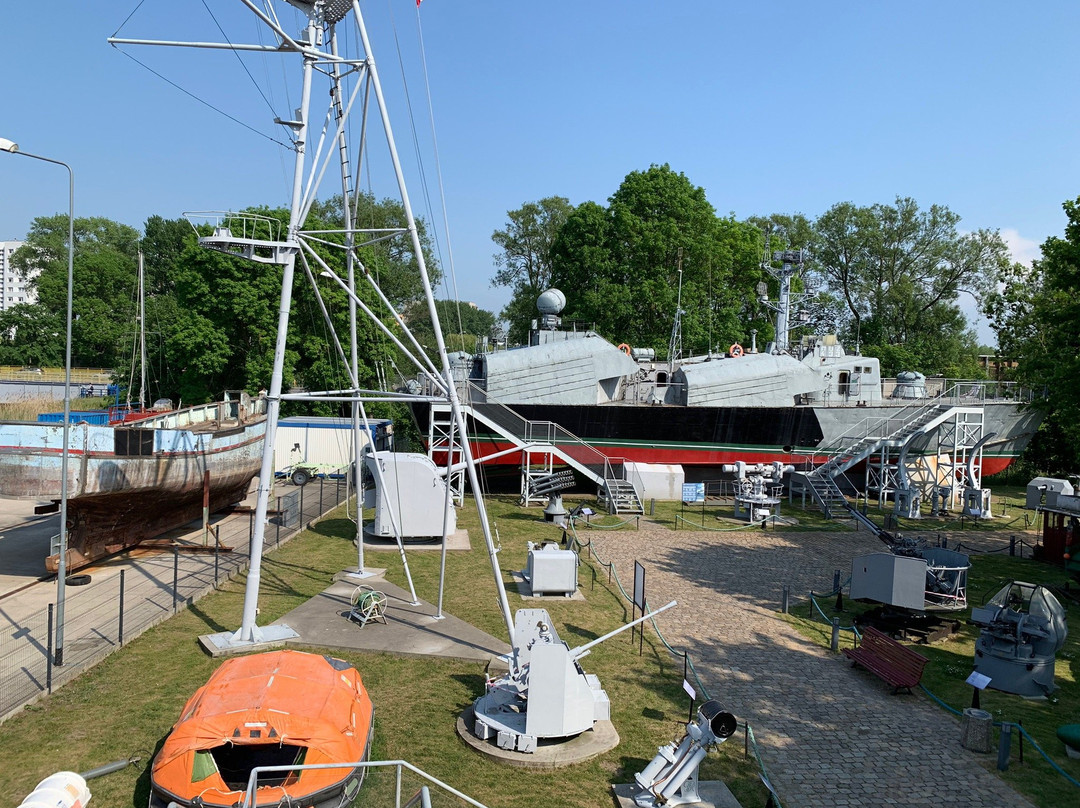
(125, 706)
(952, 660)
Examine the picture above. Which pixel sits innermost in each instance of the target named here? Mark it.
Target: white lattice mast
(322, 19)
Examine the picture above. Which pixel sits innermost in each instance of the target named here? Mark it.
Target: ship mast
(791, 264)
(299, 246)
(142, 334)
(675, 343)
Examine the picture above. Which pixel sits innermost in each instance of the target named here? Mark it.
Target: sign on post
(639, 599)
(693, 492)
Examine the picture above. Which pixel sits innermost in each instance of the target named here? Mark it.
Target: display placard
(639, 586)
(693, 492)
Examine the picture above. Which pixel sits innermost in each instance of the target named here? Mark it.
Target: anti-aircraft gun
(1023, 627)
(911, 575)
(545, 694)
(672, 776)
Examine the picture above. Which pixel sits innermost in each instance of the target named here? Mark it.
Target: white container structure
(325, 441)
(412, 494)
(60, 790)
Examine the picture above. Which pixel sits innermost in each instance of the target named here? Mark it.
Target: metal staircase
(541, 443)
(876, 436)
(620, 496)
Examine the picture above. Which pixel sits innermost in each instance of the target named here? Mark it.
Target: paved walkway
(829, 735)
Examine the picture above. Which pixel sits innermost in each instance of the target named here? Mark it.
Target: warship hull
(706, 436)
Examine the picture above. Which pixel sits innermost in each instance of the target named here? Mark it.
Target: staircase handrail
(871, 425)
(548, 432)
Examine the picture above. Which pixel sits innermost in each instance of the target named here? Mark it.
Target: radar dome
(551, 302)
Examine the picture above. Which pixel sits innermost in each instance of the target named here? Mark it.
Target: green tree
(1036, 315)
(31, 335)
(103, 289)
(391, 262)
(621, 265)
(474, 324)
(899, 272)
(524, 263)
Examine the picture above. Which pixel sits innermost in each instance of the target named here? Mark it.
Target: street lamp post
(61, 567)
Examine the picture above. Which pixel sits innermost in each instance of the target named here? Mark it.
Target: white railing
(250, 795)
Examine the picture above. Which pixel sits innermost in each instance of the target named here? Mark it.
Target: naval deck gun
(545, 694)
(1023, 628)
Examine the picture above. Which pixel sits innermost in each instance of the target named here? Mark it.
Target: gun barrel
(584, 649)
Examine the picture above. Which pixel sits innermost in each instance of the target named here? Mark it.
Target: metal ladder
(871, 437)
(549, 442)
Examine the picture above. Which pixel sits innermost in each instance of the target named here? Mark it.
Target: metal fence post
(836, 580)
(834, 644)
(280, 518)
(784, 603)
(217, 556)
(120, 628)
(1004, 745)
(175, 576)
(49, 656)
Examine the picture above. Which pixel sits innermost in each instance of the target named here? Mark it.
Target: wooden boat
(281, 708)
(134, 476)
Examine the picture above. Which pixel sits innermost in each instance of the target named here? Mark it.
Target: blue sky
(770, 106)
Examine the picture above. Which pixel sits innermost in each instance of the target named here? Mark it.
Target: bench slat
(889, 660)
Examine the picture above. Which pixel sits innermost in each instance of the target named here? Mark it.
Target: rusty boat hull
(131, 481)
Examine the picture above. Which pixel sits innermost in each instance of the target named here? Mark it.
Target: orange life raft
(282, 708)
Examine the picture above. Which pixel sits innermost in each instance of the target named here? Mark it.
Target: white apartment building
(14, 289)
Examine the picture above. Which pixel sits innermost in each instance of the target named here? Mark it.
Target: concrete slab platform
(458, 540)
(549, 754)
(410, 629)
(222, 644)
(524, 589)
(713, 793)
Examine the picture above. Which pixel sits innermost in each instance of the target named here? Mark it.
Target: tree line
(887, 278)
(211, 318)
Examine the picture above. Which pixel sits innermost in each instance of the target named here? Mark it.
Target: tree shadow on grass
(335, 529)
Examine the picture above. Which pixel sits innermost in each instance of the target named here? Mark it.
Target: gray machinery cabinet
(412, 494)
(887, 578)
(551, 570)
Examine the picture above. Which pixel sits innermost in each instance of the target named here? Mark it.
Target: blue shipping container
(95, 417)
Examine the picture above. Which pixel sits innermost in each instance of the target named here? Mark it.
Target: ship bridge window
(134, 442)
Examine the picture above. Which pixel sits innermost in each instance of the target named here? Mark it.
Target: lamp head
(8, 145)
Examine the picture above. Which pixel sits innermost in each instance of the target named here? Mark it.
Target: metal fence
(121, 602)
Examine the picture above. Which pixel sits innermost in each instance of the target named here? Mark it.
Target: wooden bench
(881, 654)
